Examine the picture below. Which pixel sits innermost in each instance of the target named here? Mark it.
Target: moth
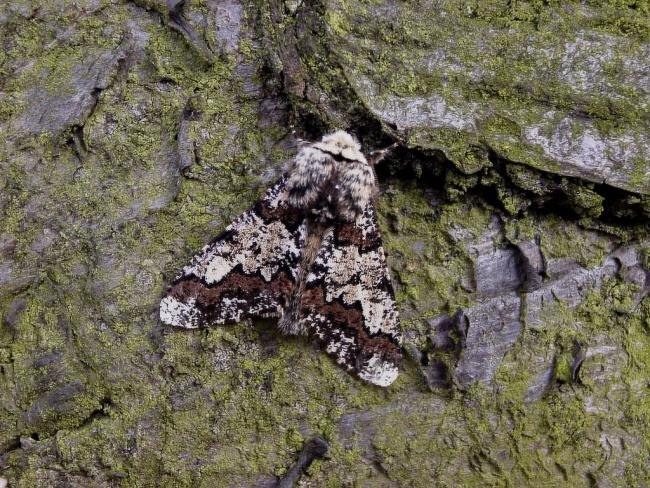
(309, 254)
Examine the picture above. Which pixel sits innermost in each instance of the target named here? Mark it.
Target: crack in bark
(314, 448)
(173, 18)
(186, 146)
(346, 108)
(26, 442)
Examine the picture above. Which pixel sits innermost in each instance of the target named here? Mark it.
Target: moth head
(343, 144)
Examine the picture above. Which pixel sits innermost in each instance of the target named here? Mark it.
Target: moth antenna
(298, 142)
(378, 155)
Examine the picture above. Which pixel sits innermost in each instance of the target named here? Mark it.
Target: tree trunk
(514, 213)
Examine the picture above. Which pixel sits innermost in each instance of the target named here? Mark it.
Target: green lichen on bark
(515, 80)
(97, 217)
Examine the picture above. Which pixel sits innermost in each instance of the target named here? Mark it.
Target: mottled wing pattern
(349, 301)
(249, 271)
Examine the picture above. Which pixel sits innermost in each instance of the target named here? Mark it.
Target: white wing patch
(258, 247)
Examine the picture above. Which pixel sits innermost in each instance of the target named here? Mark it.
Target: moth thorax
(331, 179)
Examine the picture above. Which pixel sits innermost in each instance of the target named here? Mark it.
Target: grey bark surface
(514, 212)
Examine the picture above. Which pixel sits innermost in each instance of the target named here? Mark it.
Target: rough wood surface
(514, 212)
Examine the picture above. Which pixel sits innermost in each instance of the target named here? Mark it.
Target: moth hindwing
(309, 254)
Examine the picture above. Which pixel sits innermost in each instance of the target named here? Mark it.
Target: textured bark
(514, 213)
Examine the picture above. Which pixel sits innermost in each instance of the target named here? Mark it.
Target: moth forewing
(308, 253)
